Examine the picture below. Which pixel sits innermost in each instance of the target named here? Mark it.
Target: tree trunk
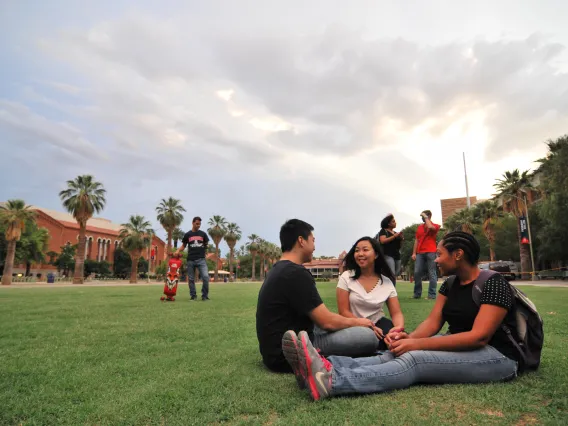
(169, 242)
(134, 269)
(261, 268)
(491, 252)
(253, 265)
(217, 262)
(231, 254)
(9, 263)
(78, 277)
(176, 243)
(28, 268)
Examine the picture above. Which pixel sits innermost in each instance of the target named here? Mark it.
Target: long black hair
(455, 240)
(381, 266)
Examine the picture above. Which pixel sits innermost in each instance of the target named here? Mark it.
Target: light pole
(524, 200)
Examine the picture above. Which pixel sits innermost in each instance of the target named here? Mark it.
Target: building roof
(322, 263)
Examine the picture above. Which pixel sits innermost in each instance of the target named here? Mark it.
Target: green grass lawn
(117, 355)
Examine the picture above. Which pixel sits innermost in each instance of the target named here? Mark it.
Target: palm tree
(262, 251)
(136, 237)
(232, 235)
(83, 198)
(177, 235)
(13, 216)
(253, 248)
(170, 217)
(34, 243)
(513, 189)
(489, 213)
(462, 220)
(217, 230)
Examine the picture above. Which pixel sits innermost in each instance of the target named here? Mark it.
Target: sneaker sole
(291, 348)
(306, 361)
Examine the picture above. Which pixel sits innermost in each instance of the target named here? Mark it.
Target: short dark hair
(428, 213)
(385, 222)
(455, 240)
(291, 231)
(381, 265)
(196, 218)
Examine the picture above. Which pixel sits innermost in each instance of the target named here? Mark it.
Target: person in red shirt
(424, 253)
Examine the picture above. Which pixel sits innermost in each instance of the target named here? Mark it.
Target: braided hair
(455, 240)
(381, 266)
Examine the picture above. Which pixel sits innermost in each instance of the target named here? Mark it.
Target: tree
(262, 251)
(513, 189)
(33, 245)
(217, 230)
(122, 263)
(232, 235)
(253, 249)
(66, 259)
(462, 220)
(170, 217)
(488, 213)
(13, 217)
(136, 236)
(83, 198)
(177, 235)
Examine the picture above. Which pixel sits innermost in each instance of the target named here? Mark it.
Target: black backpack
(528, 337)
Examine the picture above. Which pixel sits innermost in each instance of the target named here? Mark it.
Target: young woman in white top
(366, 285)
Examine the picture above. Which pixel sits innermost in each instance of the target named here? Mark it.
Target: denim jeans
(386, 372)
(423, 261)
(394, 264)
(353, 341)
(201, 266)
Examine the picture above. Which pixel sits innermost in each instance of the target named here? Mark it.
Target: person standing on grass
(424, 253)
(289, 300)
(390, 243)
(477, 348)
(197, 241)
(365, 287)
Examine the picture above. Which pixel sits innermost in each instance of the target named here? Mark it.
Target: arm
(182, 248)
(328, 321)
(428, 223)
(486, 322)
(414, 249)
(431, 325)
(383, 239)
(395, 312)
(343, 303)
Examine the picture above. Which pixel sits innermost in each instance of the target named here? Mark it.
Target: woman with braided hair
(475, 350)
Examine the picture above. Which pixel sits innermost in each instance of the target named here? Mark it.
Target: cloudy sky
(262, 110)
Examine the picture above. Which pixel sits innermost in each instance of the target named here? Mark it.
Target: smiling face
(365, 255)
(392, 223)
(308, 246)
(448, 262)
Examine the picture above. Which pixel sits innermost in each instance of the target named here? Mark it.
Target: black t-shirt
(392, 248)
(286, 297)
(460, 310)
(196, 243)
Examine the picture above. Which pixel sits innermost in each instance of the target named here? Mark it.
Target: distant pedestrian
(424, 253)
(390, 242)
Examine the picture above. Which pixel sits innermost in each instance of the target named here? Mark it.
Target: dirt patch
(492, 413)
(528, 419)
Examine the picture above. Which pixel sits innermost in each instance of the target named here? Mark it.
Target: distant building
(102, 239)
(318, 267)
(452, 205)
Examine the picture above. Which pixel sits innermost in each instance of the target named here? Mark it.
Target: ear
(458, 254)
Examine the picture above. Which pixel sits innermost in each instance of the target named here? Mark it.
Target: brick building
(102, 238)
(452, 205)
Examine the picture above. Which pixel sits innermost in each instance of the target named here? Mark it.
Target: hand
(400, 347)
(378, 332)
(364, 322)
(395, 335)
(413, 257)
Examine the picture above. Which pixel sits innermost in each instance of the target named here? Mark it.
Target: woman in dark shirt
(473, 352)
(391, 242)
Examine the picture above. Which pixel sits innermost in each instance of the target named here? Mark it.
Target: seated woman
(476, 349)
(365, 286)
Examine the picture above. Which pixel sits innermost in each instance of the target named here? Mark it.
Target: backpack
(528, 336)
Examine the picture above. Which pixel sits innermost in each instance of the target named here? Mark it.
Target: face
(197, 225)
(392, 223)
(308, 247)
(364, 254)
(446, 261)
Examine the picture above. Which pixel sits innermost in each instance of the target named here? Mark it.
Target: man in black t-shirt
(197, 241)
(289, 300)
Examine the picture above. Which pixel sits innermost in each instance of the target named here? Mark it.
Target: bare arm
(431, 325)
(414, 249)
(182, 248)
(343, 303)
(395, 312)
(486, 322)
(328, 321)
(428, 223)
(383, 239)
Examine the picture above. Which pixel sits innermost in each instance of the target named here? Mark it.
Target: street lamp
(524, 200)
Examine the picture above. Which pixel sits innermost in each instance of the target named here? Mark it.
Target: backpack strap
(450, 281)
(479, 285)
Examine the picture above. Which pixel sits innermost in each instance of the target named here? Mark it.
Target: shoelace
(326, 364)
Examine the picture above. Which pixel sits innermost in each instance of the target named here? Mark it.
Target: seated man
(289, 300)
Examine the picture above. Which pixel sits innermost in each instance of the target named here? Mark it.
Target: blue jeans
(385, 372)
(201, 265)
(353, 341)
(394, 265)
(425, 260)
